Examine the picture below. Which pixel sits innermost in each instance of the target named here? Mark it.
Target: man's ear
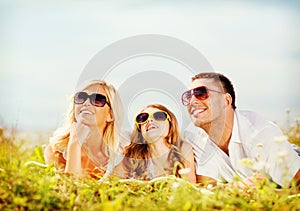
(228, 99)
(109, 117)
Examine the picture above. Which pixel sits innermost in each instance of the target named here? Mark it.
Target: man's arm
(297, 178)
(203, 180)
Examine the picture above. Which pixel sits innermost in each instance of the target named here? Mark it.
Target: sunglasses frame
(192, 92)
(151, 115)
(92, 98)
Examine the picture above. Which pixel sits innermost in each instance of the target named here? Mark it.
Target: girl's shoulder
(185, 148)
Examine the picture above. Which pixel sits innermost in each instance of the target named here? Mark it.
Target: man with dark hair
(225, 139)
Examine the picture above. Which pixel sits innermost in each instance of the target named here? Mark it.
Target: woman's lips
(86, 111)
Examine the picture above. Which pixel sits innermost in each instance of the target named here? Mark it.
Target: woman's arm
(54, 157)
(73, 164)
(49, 155)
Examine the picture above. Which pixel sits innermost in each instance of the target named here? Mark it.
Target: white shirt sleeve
(282, 161)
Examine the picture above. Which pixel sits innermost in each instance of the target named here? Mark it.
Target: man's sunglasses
(158, 116)
(201, 93)
(98, 100)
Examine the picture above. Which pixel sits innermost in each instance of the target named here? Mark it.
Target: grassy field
(27, 186)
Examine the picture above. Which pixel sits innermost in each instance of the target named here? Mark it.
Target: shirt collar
(235, 130)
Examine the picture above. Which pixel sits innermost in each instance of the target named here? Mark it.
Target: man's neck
(220, 131)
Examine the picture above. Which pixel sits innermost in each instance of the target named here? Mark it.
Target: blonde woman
(156, 148)
(88, 142)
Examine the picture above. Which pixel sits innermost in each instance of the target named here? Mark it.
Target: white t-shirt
(256, 145)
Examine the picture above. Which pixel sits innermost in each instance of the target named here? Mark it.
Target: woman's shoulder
(49, 154)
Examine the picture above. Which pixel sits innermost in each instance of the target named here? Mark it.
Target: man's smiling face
(203, 112)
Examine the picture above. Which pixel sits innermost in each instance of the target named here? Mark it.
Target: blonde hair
(138, 153)
(111, 136)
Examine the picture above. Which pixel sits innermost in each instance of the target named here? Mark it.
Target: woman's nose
(87, 102)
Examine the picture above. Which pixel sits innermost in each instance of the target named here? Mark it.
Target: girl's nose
(150, 119)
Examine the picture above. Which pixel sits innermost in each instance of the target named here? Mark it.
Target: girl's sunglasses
(158, 116)
(201, 93)
(98, 100)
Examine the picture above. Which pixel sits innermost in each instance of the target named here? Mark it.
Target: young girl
(156, 148)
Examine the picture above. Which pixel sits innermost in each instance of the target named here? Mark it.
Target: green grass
(27, 186)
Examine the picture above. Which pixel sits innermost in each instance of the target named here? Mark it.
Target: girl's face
(93, 115)
(153, 130)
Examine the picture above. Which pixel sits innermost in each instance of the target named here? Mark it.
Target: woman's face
(153, 130)
(91, 115)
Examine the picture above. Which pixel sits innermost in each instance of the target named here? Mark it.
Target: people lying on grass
(222, 136)
(88, 141)
(156, 148)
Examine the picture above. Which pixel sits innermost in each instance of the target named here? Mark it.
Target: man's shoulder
(250, 115)
(254, 128)
(252, 119)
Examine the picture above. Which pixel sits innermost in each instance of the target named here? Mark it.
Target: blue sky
(45, 46)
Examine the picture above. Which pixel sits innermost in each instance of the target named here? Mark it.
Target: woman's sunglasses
(98, 100)
(158, 116)
(201, 93)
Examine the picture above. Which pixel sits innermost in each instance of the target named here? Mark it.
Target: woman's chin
(88, 121)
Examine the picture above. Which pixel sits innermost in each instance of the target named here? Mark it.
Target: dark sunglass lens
(142, 117)
(98, 100)
(201, 93)
(80, 97)
(160, 116)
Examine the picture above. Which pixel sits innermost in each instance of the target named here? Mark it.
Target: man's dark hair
(226, 83)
